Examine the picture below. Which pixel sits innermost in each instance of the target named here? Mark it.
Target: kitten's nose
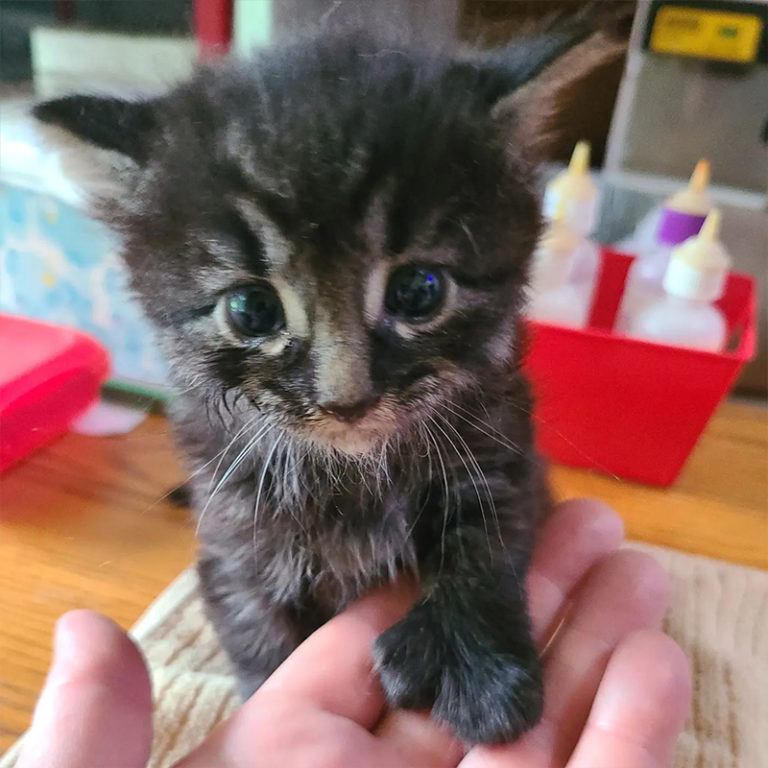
(349, 412)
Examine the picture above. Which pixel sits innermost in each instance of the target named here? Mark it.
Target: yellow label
(706, 34)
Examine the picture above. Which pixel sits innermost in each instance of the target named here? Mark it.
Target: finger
(640, 707)
(287, 733)
(577, 536)
(310, 711)
(333, 669)
(626, 592)
(96, 707)
(420, 740)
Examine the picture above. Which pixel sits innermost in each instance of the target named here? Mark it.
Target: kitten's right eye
(415, 293)
(255, 311)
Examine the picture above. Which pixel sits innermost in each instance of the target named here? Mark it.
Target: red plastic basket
(213, 26)
(48, 376)
(624, 406)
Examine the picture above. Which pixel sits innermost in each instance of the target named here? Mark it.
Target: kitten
(332, 242)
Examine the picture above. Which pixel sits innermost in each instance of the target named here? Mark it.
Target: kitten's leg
(257, 633)
(466, 646)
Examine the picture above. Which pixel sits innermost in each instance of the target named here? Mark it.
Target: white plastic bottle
(575, 190)
(572, 198)
(553, 296)
(681, 217)
(685, 316)
(576, 187)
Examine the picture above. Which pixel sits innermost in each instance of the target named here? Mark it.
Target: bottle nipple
(576, 189)
(704, 251)
(694, 198)
(710, 229)
(579, 164)
(700, 176)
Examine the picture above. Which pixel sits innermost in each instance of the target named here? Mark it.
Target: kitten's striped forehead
(277, 248)
(382, 232)
(347, 285)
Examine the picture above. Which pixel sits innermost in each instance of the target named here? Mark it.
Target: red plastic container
(213, 26)
(627, 407)
(48, 376)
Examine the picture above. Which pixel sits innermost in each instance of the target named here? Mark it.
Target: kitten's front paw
(485, 694)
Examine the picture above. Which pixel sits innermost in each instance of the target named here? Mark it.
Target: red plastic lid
(48, 375)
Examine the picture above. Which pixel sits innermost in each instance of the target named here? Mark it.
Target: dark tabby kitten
(332, 241)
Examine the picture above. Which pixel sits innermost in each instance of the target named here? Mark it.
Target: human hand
(617, 689)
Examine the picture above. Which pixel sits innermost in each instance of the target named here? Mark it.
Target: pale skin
(617, 688)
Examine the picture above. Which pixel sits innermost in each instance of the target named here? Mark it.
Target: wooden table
(83, 524)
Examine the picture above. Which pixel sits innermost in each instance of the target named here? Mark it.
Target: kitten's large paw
(484, 694)
(488, 697)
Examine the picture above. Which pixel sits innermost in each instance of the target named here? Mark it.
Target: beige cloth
(719, 615)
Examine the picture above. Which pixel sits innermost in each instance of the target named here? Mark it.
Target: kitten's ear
(106, 122)
(524, 58)
(530, 83)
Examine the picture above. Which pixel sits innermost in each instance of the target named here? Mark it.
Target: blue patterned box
(60, 266)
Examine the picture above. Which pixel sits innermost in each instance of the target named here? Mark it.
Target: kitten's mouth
(356, 438)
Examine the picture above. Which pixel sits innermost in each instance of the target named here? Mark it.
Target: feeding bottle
(695, 277)
(575, 186)
(575, 191)
(554, 297)
(682, 217)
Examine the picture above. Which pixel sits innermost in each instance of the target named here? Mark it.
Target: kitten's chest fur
(334, 543)
(304, 529)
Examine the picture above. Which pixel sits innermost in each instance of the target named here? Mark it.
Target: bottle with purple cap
(686, 315)
(682, 217)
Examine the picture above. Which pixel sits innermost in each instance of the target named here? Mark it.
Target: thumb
(96, 707)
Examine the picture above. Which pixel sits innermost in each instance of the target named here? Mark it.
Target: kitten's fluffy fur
(319, 168)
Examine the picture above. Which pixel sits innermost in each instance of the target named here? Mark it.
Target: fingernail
(66, 654)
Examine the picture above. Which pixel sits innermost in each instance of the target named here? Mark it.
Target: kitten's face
(343, 339)
(341, 242)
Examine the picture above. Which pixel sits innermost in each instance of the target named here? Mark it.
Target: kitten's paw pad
(483, 695)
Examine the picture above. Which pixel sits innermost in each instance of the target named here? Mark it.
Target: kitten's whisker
(536, 417)
(240, 458)
(383, 468)
(232, 468)
(445, 496)
(362, 467)
(481, 474)
(224, 452)
(420, 481)
(470, 473)
(429, 458)
(470, 237)
(482, 427)
(288, 448)
(264, 469)
(190, 475)
(477, 420)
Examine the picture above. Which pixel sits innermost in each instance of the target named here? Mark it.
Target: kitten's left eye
(255, 310)
(415, 293)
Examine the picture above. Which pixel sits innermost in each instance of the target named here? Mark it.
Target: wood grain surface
(83, 524)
